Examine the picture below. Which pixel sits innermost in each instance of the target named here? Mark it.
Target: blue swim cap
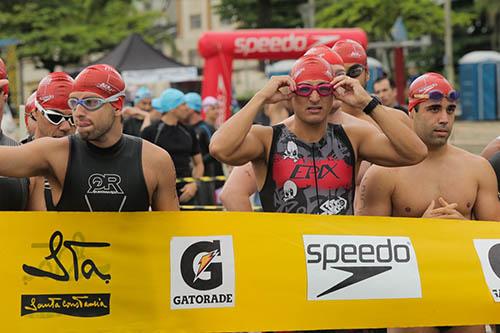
(169, 100)
(142, 93)
(193, 100)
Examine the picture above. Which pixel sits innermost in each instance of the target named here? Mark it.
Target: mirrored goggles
(54, 117)
(355, 70)
(93, 103)
(437, 95)
(305, 90)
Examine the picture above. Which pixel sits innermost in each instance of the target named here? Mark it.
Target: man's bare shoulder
(154, 155)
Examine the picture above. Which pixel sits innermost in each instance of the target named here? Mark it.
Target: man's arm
(376, 191)
(491, 148)
(31, 159)
(198, 167)
(237, 141)
(487, 206)
(239, 186)
(164, 197)
(397, 146)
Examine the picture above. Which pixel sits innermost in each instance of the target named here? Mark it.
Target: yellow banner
(213, 271)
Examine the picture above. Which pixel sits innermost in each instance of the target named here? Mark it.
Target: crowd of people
(331, 148)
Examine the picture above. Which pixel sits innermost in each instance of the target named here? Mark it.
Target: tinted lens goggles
(305, 90)
(355, 70)
(437, 95)
(54, 117)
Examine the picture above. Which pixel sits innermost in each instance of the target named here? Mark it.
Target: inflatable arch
(220, 48)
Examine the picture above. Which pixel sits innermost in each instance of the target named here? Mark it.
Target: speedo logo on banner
(202, 272)
(488, 251)
(360, 267)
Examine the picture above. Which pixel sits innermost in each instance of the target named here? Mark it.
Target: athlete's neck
(169, 119)
(308, 133)
(437, 151)
(210, 121)
(195, 119)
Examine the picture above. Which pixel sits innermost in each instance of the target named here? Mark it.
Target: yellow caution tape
(205, 179)
(238, 272)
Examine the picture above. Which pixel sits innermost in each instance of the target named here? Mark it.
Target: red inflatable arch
(220, 48)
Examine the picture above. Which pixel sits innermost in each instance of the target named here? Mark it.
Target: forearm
(230, 136)
(198, 170)
(404, 140)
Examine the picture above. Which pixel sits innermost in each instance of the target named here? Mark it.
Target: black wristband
(371, 106)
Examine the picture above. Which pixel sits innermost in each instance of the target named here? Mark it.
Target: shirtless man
(292, 161)
(450, 183)
(99, 169)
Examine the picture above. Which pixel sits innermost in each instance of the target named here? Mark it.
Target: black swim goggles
(54, 117)
(355, 70)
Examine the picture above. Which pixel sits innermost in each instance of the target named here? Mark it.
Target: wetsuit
(310, 178)
(14, 192)
(104, 179)
(132, 126)
(180, 142)
(206, 190)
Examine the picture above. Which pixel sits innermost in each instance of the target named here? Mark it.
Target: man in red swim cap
(449, 183)
(52, 113)
(99, 168)
(307, 165)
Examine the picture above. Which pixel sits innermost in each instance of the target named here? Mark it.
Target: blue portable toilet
(376, 71)
(480, 85)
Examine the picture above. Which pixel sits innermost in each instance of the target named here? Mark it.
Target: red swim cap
(323, 51)
(426, 83)
(29, 107)
(103, 80)
(30, 104)
(351, 51)
(311, 68)
(53, 91)
(4, 82)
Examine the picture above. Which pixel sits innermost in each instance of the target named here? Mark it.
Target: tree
(262, 13)
(63, 32)
(376, 17)
(491, 9)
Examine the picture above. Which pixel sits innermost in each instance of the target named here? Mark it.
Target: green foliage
(62, 32)
(262, 13)
(376, 17)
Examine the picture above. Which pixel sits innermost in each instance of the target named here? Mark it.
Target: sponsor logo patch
(202, 272)
(360, 267)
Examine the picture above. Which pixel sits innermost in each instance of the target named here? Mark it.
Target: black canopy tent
(141, 63)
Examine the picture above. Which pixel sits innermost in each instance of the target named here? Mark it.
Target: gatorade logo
(361, 267)
(264, 44)
(202, 272)
(488, 251)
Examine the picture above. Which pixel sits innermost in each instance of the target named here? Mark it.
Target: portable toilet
(479, 73)
(376, 70)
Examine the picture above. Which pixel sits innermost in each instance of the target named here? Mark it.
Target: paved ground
(473, 136)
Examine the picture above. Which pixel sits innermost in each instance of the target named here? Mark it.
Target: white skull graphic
(289, 190)
(292, 151)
